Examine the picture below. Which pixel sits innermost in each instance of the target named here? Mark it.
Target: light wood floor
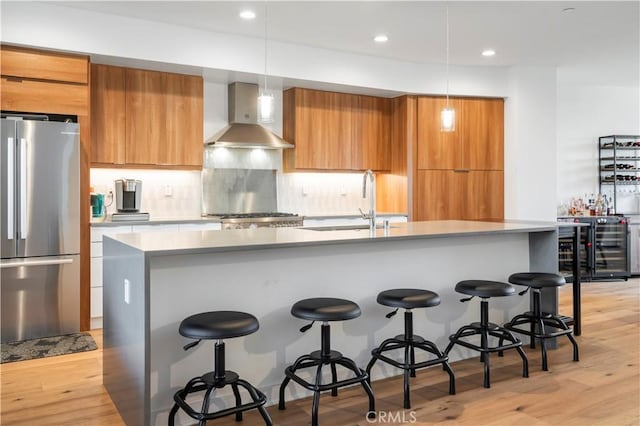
(601, 389)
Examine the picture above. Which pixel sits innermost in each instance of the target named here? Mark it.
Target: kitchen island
(154, 280)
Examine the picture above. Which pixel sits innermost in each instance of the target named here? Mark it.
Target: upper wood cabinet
(107, 114)
(477, 142)
(319, 125)
(371, 142)
(43, 65)
(335, 131)
(146, 118)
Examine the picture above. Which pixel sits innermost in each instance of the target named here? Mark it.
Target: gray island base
(154, 280)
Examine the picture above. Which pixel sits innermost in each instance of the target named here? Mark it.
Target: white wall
(585, 112)
(530, 144)
(52, 26)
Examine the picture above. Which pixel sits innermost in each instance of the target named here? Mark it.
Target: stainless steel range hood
(243, 130)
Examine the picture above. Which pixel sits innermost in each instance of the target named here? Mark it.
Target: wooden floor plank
(602, 389)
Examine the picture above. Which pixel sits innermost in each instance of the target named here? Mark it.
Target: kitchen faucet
(372, 199)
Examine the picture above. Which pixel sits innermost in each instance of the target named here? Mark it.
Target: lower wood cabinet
(458, 195)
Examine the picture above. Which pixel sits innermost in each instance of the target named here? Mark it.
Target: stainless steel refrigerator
(40, 229)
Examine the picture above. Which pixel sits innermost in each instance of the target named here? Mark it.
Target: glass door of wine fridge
(610, 255)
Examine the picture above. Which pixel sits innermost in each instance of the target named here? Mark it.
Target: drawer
(155, 228)
(96, 249)
(96, 302)
(200, 226)
(96, 272)
(98, 231)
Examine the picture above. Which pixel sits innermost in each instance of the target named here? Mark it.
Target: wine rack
(618, 164)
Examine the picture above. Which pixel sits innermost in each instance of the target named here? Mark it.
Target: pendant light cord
(447, 51)
(265, 46)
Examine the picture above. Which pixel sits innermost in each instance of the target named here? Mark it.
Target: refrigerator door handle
(23, 188)
(43, 262)
(10, 183)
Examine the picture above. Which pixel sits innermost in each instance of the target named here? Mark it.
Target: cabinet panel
(435, 195)
(146, 116)
(482, 123)
(455, 195)
(44, 96)
(438, 149)
(108, 114)
(371, 143)
(42, 65)
(322, 129)
(184, 137)
(484, 195)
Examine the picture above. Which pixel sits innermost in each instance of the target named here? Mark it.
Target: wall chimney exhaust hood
(243, 130)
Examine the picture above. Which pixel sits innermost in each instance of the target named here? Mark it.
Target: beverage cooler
(604, 248)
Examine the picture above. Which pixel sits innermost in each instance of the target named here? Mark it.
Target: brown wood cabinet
(459, 174)
(336, 131)
(477, 142)
(459, 195)
(108, 114)
(371, 141)
(44, 65)
(148, 119)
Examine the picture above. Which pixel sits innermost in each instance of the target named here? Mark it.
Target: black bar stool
(485, 290)
(539, 322)
(217, 326)
(409, 299)
(325, 310)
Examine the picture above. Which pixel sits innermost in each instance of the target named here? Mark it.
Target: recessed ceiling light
(247, 14)
(381, 38)
(488, 52)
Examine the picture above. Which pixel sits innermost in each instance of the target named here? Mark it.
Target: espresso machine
(128, 200)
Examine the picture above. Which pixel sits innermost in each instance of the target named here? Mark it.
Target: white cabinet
(97, 232)
(350, 221)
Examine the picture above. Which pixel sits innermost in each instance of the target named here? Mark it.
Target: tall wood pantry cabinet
(459, 174)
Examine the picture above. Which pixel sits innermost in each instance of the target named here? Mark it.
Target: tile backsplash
(165, 193)
(178, 194)
(320, 194)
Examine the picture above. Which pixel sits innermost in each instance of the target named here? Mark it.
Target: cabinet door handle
(461, 170)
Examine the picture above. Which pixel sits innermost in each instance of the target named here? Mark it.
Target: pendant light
(265, 99)
(448, 114)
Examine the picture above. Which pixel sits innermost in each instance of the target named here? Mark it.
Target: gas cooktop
(251, 215)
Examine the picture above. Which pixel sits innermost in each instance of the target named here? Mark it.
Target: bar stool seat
(485, 290)
(538, 324)
(408, 299)
(217, 326)
(325, 309)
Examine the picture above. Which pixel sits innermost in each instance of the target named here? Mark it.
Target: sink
(343, 227)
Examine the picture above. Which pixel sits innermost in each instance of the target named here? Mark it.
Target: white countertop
(170, 242)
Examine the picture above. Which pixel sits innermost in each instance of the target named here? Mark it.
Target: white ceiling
(600, 35)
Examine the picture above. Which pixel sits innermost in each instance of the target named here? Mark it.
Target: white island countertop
(193, 242)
